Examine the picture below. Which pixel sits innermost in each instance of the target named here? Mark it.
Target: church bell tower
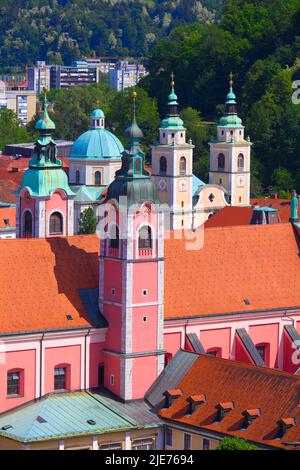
(230, 155)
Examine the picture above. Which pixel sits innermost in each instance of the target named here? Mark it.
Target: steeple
(173, 120)
(133, 180)
(45, 153)
(231, 118)
(45, 201)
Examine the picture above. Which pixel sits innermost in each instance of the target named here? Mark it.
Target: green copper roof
(87, 193)
(42, 183)
(133, 180)
(231, 118)
(173, 120)
(45, 123)
(45, 173)
(65, 415)
(97, 143)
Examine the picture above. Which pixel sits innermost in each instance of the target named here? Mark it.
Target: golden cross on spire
(172, 77)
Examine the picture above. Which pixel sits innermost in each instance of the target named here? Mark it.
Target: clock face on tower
(162, 185)
(241, 181)
(182, 186)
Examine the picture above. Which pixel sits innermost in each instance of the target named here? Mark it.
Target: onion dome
(132, 180)
(173, 120)
(45, 123)
(231, 118)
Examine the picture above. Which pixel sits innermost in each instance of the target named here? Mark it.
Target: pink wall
(267, 334)
(141, 339)
(113, 280)
(218, 338)
(172, 342)
(113, 314)
(142, 381)
(57, 202)
(145, 277)
(96, 358)
(24, 360)
(112, 367)
(241, 353)
(62, 355)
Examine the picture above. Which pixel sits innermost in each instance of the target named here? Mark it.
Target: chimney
(194, 402)
(171, 396)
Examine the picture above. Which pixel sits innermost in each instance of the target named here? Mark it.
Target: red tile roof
(40, 279)
(230, 216)
(275, 393)
(258, 263)
(7, 213)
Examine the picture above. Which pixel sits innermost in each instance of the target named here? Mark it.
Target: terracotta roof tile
(7, 213)
(40, 279)
(249, 387)
(258, 262)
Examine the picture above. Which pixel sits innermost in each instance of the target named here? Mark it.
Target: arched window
(182, 166)
(62, 376)
(77, 177)
(97, 178)
(221, 161)
(27, 223)
(163, 166)
(145, 238)
(138, 165)
(15, 382)
(114, 237)
(241, 161)
(56, 224)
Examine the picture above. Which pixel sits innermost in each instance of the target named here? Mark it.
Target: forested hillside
(259, 41)
(63, 30)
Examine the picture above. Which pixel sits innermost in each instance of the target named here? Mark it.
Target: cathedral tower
(172, 167)
(132, 276)
(230, 155)
(45, 201)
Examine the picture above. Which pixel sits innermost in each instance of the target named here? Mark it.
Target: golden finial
(231, 79)
(45, 90)
(134, 95)
(172, 82)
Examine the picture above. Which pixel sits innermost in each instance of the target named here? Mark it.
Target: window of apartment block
(187, 440)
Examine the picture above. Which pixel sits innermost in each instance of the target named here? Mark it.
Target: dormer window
(250, 416)
(285, 425)
(171, 396)
(194, 402)
(223, 410)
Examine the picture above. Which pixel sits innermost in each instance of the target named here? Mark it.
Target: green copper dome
(45, 173)
(97, 143)
(231, 118)
(45, 123)
(43, 183)
(133, 180)
(173, 120)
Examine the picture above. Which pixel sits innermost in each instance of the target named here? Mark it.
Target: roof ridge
(134, 423)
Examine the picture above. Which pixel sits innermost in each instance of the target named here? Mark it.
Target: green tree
(11, 131)
(235, 443)
(87, 223)
(283, 180)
